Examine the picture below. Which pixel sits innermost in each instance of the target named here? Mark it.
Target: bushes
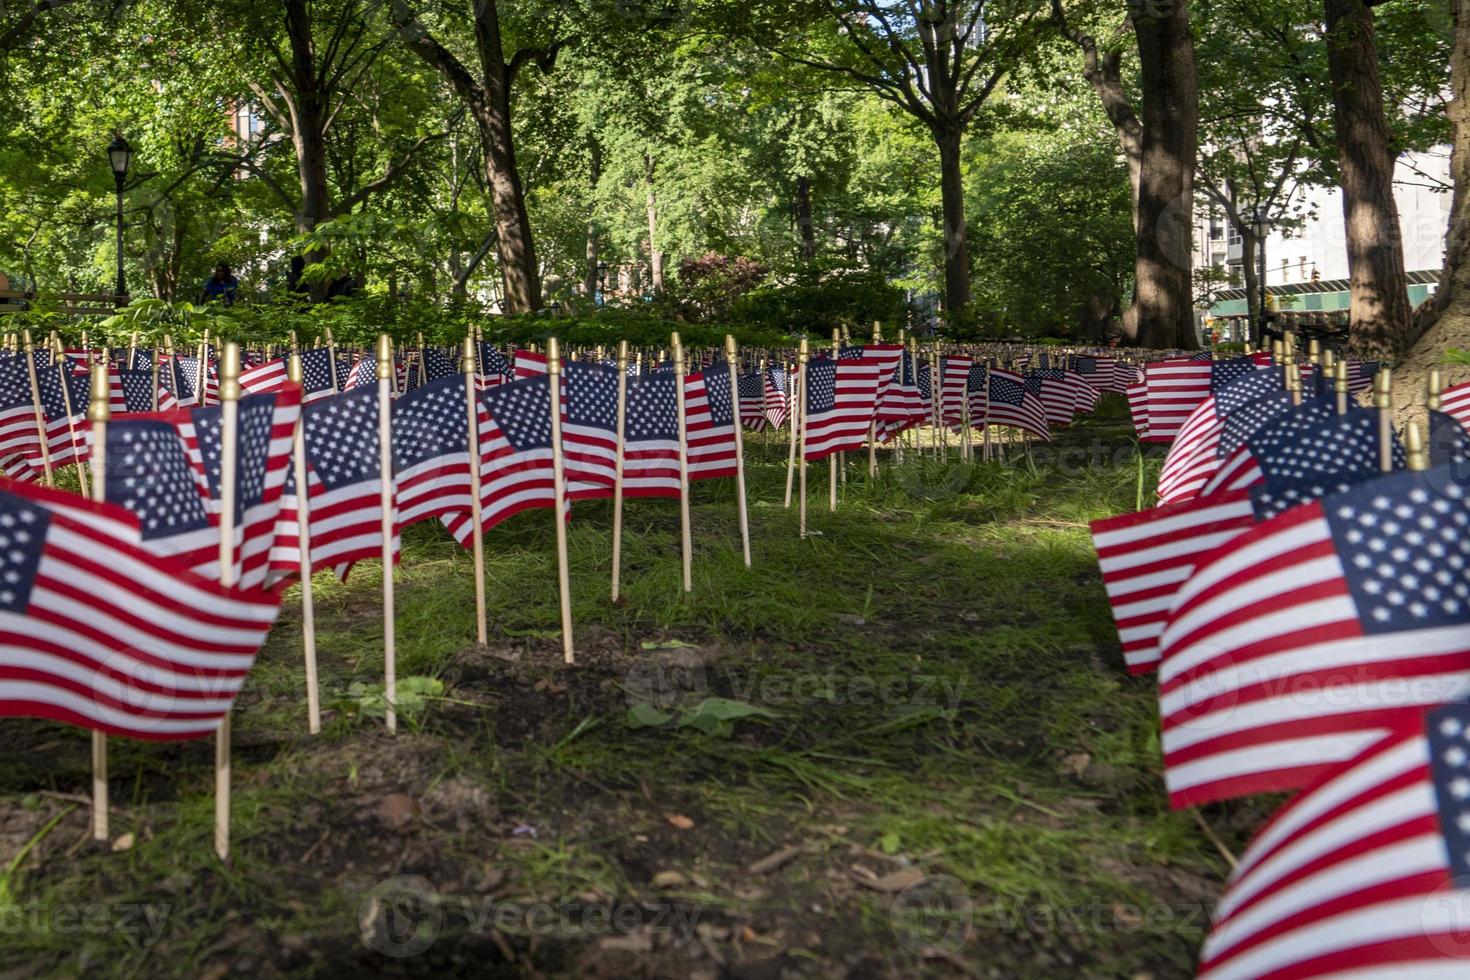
(815, 307)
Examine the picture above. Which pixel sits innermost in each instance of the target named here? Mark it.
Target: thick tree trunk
(804, 219)
(956, 241)
(308, 108)
(655, 257)
(1381, 319)
(1454, 289)
(1163, 309)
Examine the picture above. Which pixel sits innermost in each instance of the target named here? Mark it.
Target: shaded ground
(951, 775)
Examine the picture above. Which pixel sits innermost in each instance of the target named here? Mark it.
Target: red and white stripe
(1146, 557)
(1349, 879)
(1175, 389)
(120, 641)
(712, 452)
(1455, 402)
(844, 427)
(1192, 459)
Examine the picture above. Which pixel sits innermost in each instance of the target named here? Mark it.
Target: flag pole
(1383, 401)
(295, 373)
(99, 412)
(383, 363)
(477, 520)
(619, 468)
(36, 403)
(873, 423)
(331, 358)
(423, 368)
(801, 365)
(1433, 388)
(832, 459)
(732, 358)
(1340, 386)
(132, 348)
(1417, 451)
(795, 403)
(559, 486)
(58, 354)
(686, 538)
(229, 397)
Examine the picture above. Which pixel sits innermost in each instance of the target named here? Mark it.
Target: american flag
(439, 363)
(19, 436)
(529, 365)
(778, 395)
(364, 373)
(188, 380)
(431, 451)
(1058, 398)
(1098, 372)
(66, 435)
(1361, 375)
(954, 384)
(1364, 873)
(709, 423)
(515, 454)
(1194, 457)
(904, 405)
(1138, 408)
(1175, 389)
(841, 398)
(171, 379)
(651, 442)
(753, 402)
(1296, 645)
(316, 375)
(1455, 402)
(1312, 430)
(344, 486)
(267, 427)
(1448, 440)
(1146, 556)
(101, 634)
(589, 431)
(494, 368)
(1012, 404)
(139, 392)
(150, 475)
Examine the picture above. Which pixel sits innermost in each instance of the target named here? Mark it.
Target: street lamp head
(1262, 225)
(556, 307)
(602, 268)
(119, 154)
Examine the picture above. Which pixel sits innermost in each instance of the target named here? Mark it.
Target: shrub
(814, 307)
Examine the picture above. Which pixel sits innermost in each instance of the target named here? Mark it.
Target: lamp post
(119, 155)
(1261, 227)
(556, 307)
(601, 283)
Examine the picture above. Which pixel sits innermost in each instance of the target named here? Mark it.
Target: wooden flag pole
(1383, 401)
(132, 348)
(294, 374)
(99, 412)
(477, 519)
(58, 354)
(30, 356)
(331, 358)
(686, 537)
(423, 368)
(733, 360)
(1340, 386)
(619, 466)
(794, 404)
(832, 459)
(873, 424)
(559, 485)
(383, 363)
(201, 369)
(229, 397)
(803, 355)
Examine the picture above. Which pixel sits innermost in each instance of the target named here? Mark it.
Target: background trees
(1021, 165)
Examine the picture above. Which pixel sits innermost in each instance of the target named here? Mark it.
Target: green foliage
(712, 716)
(814, 306)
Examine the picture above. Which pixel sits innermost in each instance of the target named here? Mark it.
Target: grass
(966, 778)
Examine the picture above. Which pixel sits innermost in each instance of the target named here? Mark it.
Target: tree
(1160, 140)
(938, 61)
(488, 97)
(1381, 318)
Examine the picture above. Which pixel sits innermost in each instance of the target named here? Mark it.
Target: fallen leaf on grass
(679, 820)
(771, 862)
(669, 879)
(123, 843)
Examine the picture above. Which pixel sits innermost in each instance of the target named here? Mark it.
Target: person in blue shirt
(222, 286)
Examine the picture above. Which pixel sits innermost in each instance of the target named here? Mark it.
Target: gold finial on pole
(1383, 401)
(1418, 452)
(1433, 387)
(1340, 386)
(383, 357)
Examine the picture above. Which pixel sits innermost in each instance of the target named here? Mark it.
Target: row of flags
(234, 474)
(1302, 592)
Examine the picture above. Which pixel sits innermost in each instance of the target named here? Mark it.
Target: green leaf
(717, 716)
(647, 716)
(667, 645)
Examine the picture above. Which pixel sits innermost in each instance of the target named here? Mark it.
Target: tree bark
(804, 219)
(655, 257)
(956, 241)
(1163, 308)
(589, 270)
(1381, 322)
(488, 98)
(1454, 289)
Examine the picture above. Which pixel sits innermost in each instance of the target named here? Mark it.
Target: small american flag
(709, 421)
(1138, 408)
(316, 375)
(589, 433)
(494, 368)
(1455, 402)
(431, 451)
(842, 397)
(1012, 404)
(1449, 443)
(1195, 457)
(101, 634)
(1175, 389)
(778, 395)
(1295, 646)
(753, 402)
(344, 486)
(1365, 873)
(651, 443)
